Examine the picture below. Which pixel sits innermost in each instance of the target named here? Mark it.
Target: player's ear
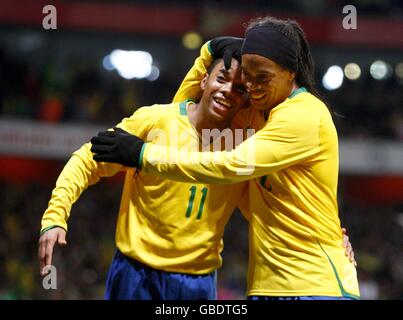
(291, 76)
(203, 83)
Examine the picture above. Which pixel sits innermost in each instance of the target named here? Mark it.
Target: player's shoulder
(302, 107)
(158, 111)
(316, 109)
(305, 98)
(299, 114)
(311, 103)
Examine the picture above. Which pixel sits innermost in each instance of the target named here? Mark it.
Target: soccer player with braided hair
(291, 164)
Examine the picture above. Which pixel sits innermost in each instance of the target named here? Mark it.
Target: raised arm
(221, 47)
(190, 86)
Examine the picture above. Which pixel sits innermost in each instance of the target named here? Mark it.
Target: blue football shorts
(131, 280)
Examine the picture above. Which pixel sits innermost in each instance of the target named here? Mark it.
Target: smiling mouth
(223, 102)
(257, 97)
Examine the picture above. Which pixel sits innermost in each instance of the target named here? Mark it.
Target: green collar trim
(209, 48)
(182, 107)
(143, 148)
(298, 91)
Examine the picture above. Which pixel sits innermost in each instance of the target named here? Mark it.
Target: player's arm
(283, 142)
(80, 172)
(47, 242)
(190, 86)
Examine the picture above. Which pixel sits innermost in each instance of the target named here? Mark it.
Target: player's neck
(200, 120)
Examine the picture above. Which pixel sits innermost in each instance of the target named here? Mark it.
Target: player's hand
(117, 146)
(46, 243)
(227, 48)
(349, 248)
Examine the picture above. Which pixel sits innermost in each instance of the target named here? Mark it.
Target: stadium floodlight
(154, 75)
(399, 219)
(192, 40)
(106, 63)
(333, 78)
(129, 64)
(380, 70)
(399, 70)
(352, 71)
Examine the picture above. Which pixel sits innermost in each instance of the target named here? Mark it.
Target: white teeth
(223, 102)
(257, 97)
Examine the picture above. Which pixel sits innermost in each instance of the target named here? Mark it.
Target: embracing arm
(283, 142)
(190, 86)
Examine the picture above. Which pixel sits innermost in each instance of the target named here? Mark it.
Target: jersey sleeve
(190, 86)
(142, 121)
(286, 140)
(81, 171)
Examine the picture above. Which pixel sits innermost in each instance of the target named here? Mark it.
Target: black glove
(117, 146)
(227, 48)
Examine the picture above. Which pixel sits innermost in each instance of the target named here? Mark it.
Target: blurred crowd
(376, 235)
(81, 266)
(368, 108)
(75, 92)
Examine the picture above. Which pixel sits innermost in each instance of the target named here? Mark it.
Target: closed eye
(221, 79)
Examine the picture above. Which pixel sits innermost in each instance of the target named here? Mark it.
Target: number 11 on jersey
(191, 199)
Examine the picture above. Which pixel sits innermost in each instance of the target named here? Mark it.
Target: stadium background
(59, 87)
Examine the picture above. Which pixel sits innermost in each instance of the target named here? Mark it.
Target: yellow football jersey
(170, 226)
(295, 234)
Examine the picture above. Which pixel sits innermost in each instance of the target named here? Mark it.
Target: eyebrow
(265, 73)
(261, 72)
(223, 70)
